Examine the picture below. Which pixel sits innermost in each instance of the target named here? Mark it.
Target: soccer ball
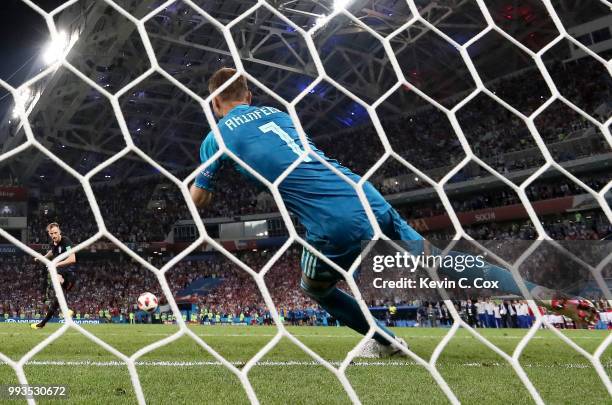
(147, 302)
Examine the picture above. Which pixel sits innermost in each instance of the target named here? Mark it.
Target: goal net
(395, 61)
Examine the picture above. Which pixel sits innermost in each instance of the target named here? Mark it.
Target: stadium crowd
(585, 225)
(113, 284)
(149, 215)
(153, 224)
(424, 138)
(108, 288)
(145, 210)
(496, 197)
(427, 140)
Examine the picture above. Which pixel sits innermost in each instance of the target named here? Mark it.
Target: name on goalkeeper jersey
(234, 122)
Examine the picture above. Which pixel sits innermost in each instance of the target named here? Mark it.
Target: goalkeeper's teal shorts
(344, 255)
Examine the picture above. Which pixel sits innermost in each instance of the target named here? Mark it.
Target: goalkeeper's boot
(375, 350)
(37, 326)
(578, 309)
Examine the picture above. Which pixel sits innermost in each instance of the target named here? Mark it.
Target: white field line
(267, 363)
(311, 336)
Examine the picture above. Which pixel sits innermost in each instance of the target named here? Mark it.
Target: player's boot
(375, 350)
(41, 325)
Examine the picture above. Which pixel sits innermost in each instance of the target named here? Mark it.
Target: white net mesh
(339, 370)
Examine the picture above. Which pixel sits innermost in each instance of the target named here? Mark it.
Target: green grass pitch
(183, 373)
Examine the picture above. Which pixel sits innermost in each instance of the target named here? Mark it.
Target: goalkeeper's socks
(342, 306)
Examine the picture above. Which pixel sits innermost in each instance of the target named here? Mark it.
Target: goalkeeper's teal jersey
(266, 140)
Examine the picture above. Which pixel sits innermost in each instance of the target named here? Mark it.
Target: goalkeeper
(326, 205)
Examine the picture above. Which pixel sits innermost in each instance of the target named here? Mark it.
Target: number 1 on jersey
(273, 127)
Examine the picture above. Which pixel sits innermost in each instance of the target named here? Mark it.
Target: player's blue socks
(345, 308)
